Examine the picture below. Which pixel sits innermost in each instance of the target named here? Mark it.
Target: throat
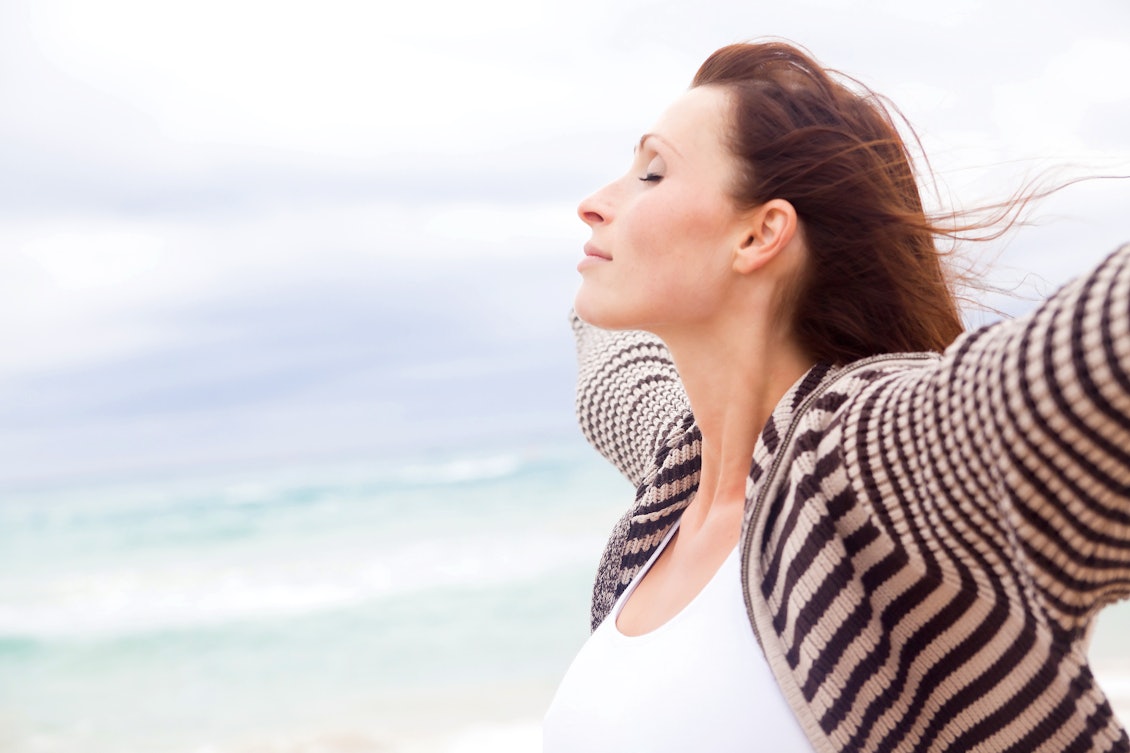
(691, 557)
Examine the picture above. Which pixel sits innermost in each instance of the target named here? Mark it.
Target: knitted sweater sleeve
(1016, 449)
(629, 397)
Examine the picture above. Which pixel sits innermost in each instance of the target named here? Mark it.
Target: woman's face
(663, 234)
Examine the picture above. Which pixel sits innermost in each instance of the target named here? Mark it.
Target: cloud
(345, 366)
(77, 283)
(1047, 113)
(249, 230)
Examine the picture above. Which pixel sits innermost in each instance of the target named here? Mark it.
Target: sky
(250, 232)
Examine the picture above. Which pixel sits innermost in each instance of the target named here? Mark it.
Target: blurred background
(287, 453)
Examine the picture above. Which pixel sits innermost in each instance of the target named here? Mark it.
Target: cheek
(692, 233)
(662, 228)
(671, 262)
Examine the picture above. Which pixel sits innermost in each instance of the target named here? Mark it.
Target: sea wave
(66, 505)
(219, 590)
(461, 470)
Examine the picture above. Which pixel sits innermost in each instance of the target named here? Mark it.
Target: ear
(768, 231)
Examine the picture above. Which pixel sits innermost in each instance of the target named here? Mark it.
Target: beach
(423, 604)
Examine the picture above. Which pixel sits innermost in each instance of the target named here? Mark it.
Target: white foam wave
(170, 595)
(461, 470)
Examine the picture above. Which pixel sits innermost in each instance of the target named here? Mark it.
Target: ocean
(423, 604)
(426, 604)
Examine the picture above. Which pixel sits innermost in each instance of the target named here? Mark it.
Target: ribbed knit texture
(943, 533)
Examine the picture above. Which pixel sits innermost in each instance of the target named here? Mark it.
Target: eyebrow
(658, 138)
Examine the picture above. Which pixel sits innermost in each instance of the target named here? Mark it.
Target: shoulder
(844, 387)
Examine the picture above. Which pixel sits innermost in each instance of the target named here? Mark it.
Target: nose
(593, 210)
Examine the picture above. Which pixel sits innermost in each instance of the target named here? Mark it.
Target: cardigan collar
(674, 476)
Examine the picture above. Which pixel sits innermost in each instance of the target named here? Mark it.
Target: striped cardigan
(924, 568)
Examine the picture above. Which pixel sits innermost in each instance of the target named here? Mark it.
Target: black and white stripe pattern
(943, 534)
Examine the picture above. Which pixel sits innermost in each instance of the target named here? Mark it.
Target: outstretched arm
(1019, 444)
(629, 397)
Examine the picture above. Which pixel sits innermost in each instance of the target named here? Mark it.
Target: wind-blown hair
(874, 280)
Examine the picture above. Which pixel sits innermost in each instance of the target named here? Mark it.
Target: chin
(602, 317)
(591, 312)
(583, 311)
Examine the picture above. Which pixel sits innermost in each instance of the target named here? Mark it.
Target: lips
(591, 250)
(593, 257)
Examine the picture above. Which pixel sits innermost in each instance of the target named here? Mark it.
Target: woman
(920, 543)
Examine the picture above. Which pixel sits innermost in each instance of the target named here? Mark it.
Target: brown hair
(874, 280)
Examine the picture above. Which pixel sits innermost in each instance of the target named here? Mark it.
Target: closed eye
(654, 170)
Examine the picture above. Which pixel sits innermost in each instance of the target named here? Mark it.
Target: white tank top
(697, 682)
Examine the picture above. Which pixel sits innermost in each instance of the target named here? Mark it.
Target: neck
(734, 378)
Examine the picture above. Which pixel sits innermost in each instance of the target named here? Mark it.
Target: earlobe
(770, 229)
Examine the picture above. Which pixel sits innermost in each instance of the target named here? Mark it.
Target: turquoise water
(429, 604)
(372, 605)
